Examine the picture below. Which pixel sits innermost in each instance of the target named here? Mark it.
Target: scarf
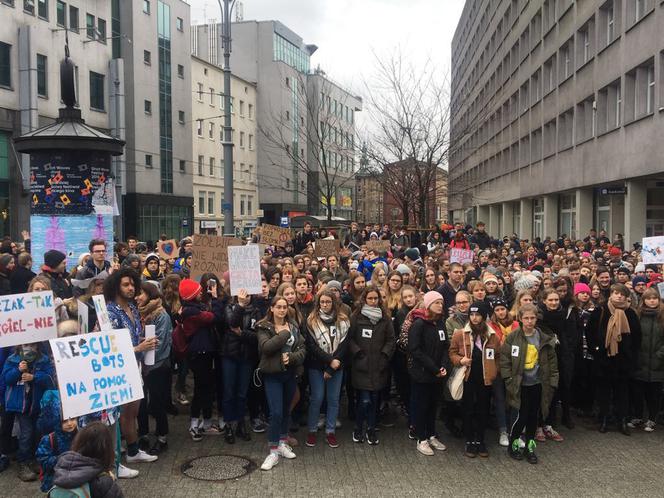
(617, 326)
(325, 318)
(460, 317)
(645, 311)
(328, 336)
(151, 310)
(373, 313)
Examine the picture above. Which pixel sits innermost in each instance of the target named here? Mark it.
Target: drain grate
(218, 467)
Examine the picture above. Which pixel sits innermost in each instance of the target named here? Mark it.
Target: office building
(557, 117)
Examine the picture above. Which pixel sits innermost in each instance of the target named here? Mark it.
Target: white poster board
(244, 267)
(103, 319)
(652, 251)
(462, 256)
(148, 356)
(27, 318)
(96, 371)
(83, 317)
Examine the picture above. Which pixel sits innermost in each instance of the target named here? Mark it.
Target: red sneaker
(311, 439)
(332, 441)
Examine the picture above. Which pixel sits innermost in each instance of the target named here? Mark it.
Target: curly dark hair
(112, 283)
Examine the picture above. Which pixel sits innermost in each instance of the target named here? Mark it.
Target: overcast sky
(349, 32)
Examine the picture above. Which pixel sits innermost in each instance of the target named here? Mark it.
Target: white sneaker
(141, 456)
(649, 426)
(436, 444)
(126, 472)
(286, 451)
(503, 440)
(271, 460)
(634, 423)
(424, 448)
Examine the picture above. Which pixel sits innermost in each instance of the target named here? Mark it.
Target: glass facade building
(165, 111)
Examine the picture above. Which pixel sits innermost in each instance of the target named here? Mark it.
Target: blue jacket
(50, 447)
(367, 266)
(16, 398)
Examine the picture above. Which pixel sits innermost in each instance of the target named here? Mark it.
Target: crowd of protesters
(508, 349)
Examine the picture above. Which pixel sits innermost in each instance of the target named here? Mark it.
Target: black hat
(479, 307)
(499, 301)
(53, 258)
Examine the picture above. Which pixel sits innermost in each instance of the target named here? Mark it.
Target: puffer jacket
(650, 357)
(371, 347)
(271, 345)
(463, 345)
(50, 447)
(245, 345)
(199, 322)
(18, 399)
(74, 470)
(428, 346)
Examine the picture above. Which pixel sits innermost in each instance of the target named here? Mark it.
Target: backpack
(402, 340)
(180, 341)
(82, 491)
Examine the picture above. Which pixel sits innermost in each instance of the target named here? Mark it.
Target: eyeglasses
(462, 302)
(281, 307)
(99, 251)
(326, 301)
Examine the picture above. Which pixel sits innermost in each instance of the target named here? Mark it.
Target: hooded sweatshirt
(74, 470)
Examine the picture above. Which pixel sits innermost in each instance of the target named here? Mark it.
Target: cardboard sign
(275, 236)
(462, 256)
(652, 251)
(210, 254)
(103, 319)
(244, 267)
(27, 318)
(83, 317)
(167, 249)
(325, 248)
(379, 245)
(96, 372)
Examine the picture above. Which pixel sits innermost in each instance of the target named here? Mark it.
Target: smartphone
(211, 283)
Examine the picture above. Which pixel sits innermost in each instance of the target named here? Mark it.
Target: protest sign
(210, 254)
(102, 313)
(244, 266)
(96, 372)
(167, 249)
(378, 245)
(325, 248)
(275, 236)
(462, 256)
(26, 318)
(652, 251)
(83, 317)
(148, 356)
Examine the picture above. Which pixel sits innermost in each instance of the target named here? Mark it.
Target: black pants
(402, 379)
(424, 401)
(616, 389)
(7, 443)
(584, 385)
(651, 393)
(201, 365)
(475, 408)
(155, 402)
(531, 398)
(256, 402)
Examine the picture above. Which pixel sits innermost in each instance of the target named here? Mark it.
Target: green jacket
(271, 345)
(650, 359)
(512, 366)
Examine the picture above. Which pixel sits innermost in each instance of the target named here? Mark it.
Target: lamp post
(227, 204)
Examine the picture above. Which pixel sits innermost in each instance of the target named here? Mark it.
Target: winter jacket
(339, 275)
(74, 470)
(623, 364)
(245, 345)
(18, 399)
(332, 338)
(5, 285)
(501, 331)
(164, 333)
(482, 240)
(650, 358)
(370, 348)
(271, 345)
(453, 324)
(199, 324)
(50, 447)
(512, 364)
(428, 346)
(59, 283)
(91, 270)
(449, 295)
(367, 267)
(463, 345)
(564, 324)
(301, 241)
(20, 279)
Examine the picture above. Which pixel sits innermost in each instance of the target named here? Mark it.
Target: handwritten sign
(102, 313)
(26, 318)
(83, 317)
(96, 371)
(652, 250)
(275, 236)
(167, 249)
(244, 266)
(210, 254)
(378, 245)
(325, 248)
(462, 256)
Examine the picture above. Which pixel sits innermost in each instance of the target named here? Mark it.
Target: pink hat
(431, 297)
(581, 287)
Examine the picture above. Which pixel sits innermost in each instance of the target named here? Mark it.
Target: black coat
(245, 345)
(428, 346)
(5, 285)
(371, 346)
(20, 279)
(623, 364)
(564, 324)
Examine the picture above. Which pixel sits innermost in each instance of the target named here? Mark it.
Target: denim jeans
(236, 377)
(499, 403)
(330, 390)
(26, 450)
(367, 407)
(279, 391)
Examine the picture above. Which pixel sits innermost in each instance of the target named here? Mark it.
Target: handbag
(456, 380)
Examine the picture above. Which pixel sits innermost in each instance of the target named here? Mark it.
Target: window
(550, 138)
(585, 119)
(565, 129)
(242, 139)
(181, 117)
(524, 98)
(97, 91)
(637, 10)
(584, 42)
(536, 145)
(211, 96)
(568, 215)
(200, 165)
(147, 107)
(101, 29)
(243, 199)
(211, 202)
(201, 202)
(42, 9)
(212, 166)
(61, 13)
(609, 101)
(609, 22)
(5, 65)
(147, 57)
(566, 60)
(251, 142)
(242, 108)
(148, 161)
(28, 6)
(90, 26)
(650, 95)
(73, 18)
(146, 6)
(180, 71)
(250, 205)
(200, 92)
(42, 77)
(199, 127)
(640, 91)
(250, 108)
(179, 24)
(536, 86)
(211, 131)
(550, 75)
(183, 166)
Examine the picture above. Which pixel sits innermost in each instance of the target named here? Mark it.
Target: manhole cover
(218, 467)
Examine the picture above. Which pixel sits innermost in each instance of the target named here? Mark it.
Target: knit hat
(615, 251)
(489, 277)
(581, 287)
(624, 270)
(639, 280)
(53, 258)
(334, 284)
(373, 235)
(536, 273)
(50, 418)
(431, 297)
(497, 302)
(404, 270)
(413, 253)
(353, 265)
(640, 268)
(479, 307)
(189, 289)
(151, 257)
(525, 282)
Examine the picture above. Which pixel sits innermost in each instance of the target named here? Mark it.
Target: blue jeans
(330, 390)
(279, 391)
(236, 377)
(26, 450)
(499, 403)
(367, 406)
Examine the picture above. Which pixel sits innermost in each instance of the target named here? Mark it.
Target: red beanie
(189, 289)
(615, 251)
